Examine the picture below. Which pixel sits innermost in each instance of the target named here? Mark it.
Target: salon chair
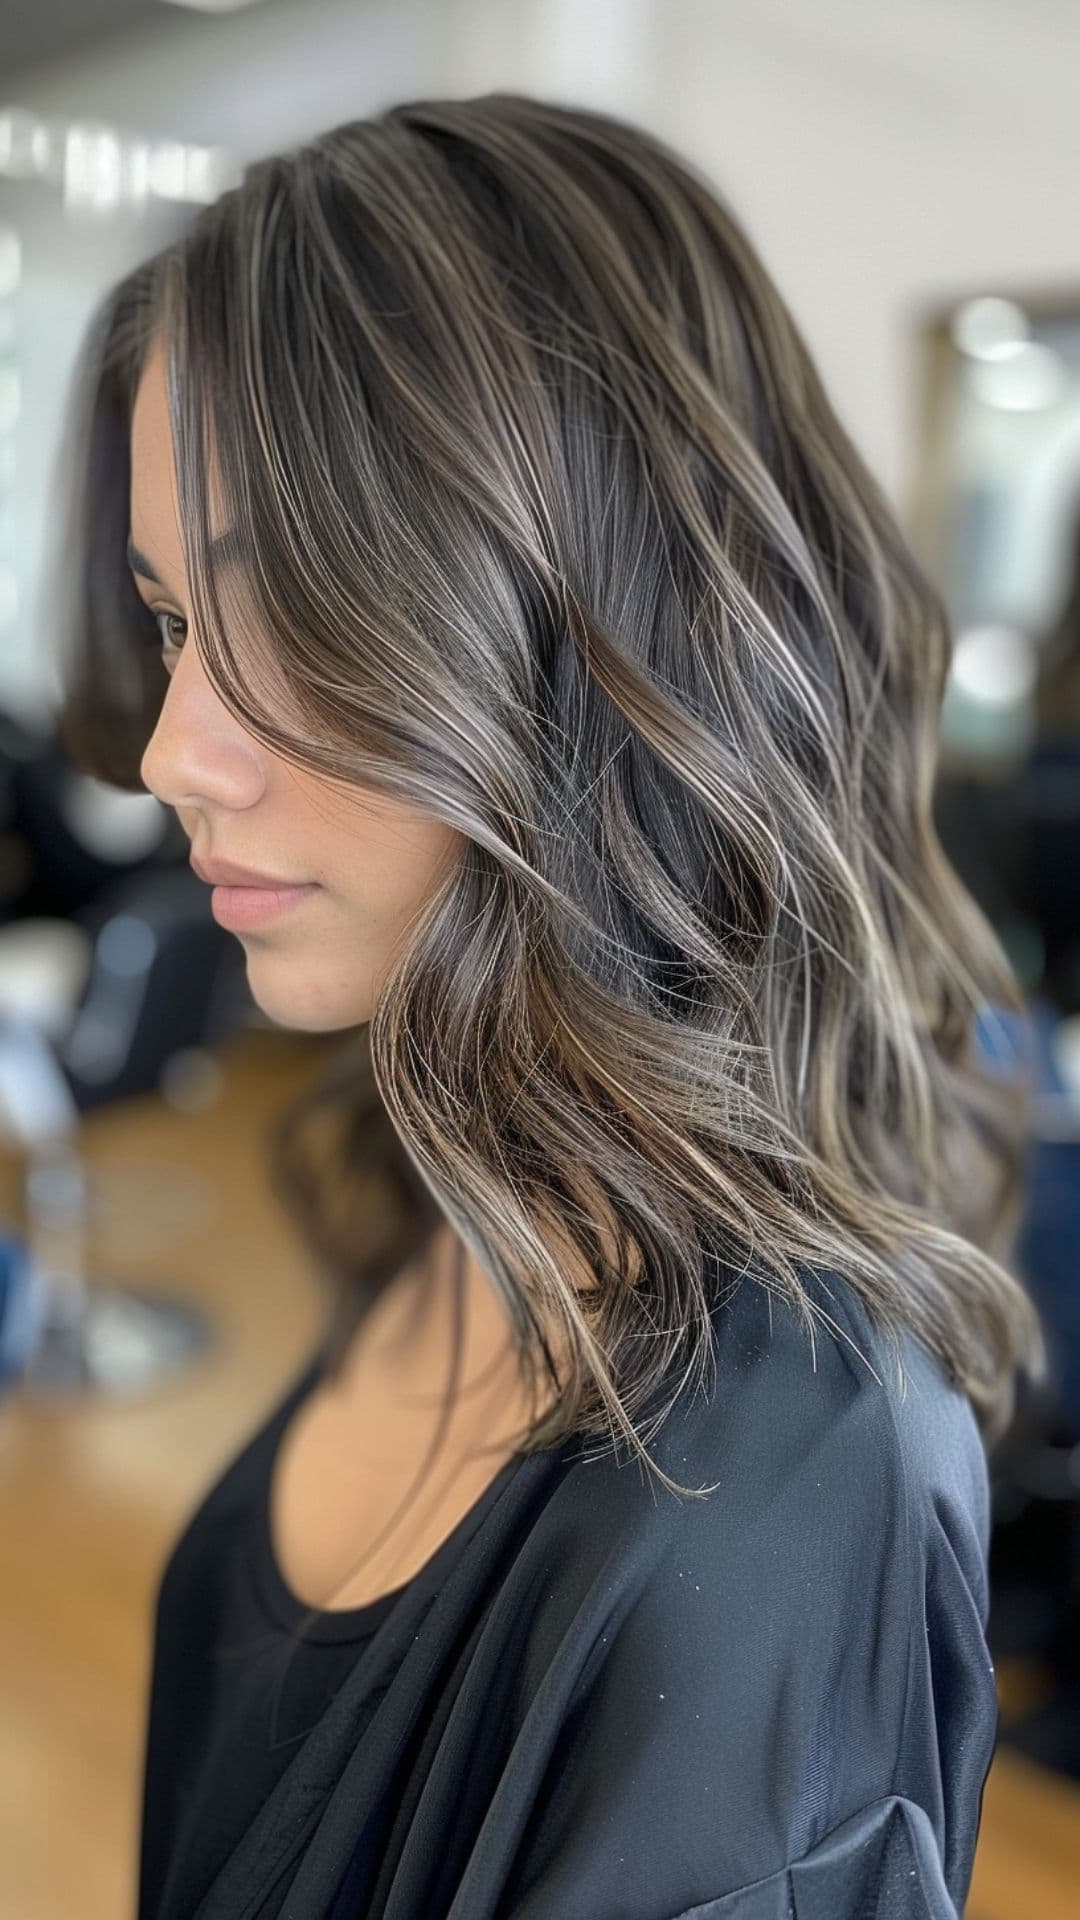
(106, 1006)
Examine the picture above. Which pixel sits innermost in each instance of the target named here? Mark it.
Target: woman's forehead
(154, 507)
(155, 504)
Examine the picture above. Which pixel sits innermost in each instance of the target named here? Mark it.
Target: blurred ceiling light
(9, 595)
(100, 168)
(166, 169)
(212, 6)
(10, 260)
(988, 327)
(101, 171)
(1022, 378)
(26, 144)
(10, 398)
(205, 172)
(994, 666)
(92, 168)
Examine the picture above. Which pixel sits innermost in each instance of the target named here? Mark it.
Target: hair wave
(550, 529)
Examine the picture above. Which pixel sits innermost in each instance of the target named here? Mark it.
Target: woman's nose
(199, 752)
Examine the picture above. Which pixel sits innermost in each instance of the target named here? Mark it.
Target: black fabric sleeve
(795, 1716)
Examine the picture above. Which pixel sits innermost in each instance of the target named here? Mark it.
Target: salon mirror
(996, 520)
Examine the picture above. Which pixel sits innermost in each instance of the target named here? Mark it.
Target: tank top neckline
(324, 1626)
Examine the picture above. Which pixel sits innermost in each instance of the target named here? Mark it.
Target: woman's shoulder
(784, 1384)
(832, 1422)
(814, 1439)
(800, 1647)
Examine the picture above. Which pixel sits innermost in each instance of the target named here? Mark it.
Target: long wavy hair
(548, 527)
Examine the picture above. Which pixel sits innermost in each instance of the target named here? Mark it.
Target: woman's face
(372, 861)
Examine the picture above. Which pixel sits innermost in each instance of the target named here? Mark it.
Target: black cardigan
(600, 1701)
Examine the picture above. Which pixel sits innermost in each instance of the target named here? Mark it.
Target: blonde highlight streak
(554, 532)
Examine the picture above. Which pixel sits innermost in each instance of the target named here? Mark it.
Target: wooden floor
(92, 1494)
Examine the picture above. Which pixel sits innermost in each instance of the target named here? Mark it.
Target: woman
(526, 612)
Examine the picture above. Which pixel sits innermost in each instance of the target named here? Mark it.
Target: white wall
(884, 157)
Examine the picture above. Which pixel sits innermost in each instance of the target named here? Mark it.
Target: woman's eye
(167, 638)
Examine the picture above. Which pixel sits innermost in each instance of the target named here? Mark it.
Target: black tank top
(232, 1695)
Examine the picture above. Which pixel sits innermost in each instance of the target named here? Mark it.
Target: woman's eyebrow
(224, 549)
(140, 564)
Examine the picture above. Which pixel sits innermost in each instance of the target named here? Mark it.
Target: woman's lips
(250, 906)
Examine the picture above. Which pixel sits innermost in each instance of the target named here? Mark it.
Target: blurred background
(909, 175)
